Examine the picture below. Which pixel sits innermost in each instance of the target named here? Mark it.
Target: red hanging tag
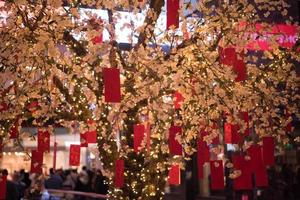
(244, 181)
(257, 166)
(288, 127)
(74, 159)
(139, 134)
(3, 180)
(36, 162)
(43, 141)
(174, 146)
(228, 56)
(91, 137)
(231, 134)
(119, 174)
(83, 139)
(203, 156)
(172, 13)
(217, 175)
(245, 117)
(240, 69)
(268, 151)
(178, 100)
(14, 130)
(174, 175)
(112, 85)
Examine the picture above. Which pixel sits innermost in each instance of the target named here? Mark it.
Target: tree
(52, 72)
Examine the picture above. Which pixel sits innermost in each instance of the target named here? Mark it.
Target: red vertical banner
(257, 166)
(174, 146)
(203, 156)
(119, 173)
(174, 175)
(240, 69)
(112, 85)
(217, 175)
(54, 155)
(268, 151)
(244, 181)
(43, 141)
(74, 159)
(231, 134)
(178, 100)
(138, 136)
(3, 180)
(83, 140)
(36, 162)
(214, 141)
(172, 13)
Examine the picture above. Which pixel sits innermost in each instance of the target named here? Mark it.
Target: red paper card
(74, 159)
(228, 56)
(240, 70)
(178, 100)
(43, 141)
(174, 175)
(174, 146)
(244, 181)
(14, 132)
(203, 156)
(3, 180)
(112, 85)
(245, 117)
(139, 134)
(36, 162)
(268, 151)
(83, 139)
(91, 137)
(119, 174)
(172, 13)
(217, 175)
(231, 134)
(257, 166)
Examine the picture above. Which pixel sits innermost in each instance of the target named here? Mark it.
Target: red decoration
(119, 174)
(112, 85)
(214, 141)
(3, 106)
(245, 117)
(3, 180)
(240, 69)
(203, 156)
(139, 134)
(14, 131)
(268, 151)
(83, 140)
(257, 166)
(91, 137)
(74, 159)
(178, 100)
(217, 175)
(174, 146)
(288, 127)
(172, 13)
(32, 107)
(43, 141)
(174, 175)
(231, 134)
(228, 56)
(36, 161)
(244, 181)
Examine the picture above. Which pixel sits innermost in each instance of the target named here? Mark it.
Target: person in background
(26, 180)
(54, 181)
(11, 188)
(99, 183)
(19, 184)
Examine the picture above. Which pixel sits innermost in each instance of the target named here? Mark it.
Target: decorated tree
(57, 69)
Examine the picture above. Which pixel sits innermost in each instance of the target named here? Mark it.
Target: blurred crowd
(23, 185)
